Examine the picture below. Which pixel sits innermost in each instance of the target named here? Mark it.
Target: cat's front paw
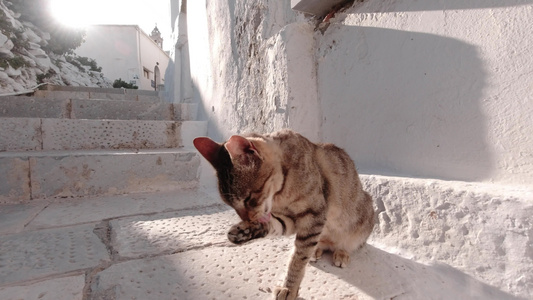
(245, 231)
(283, 293)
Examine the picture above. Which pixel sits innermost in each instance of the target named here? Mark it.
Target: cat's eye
(250, 202)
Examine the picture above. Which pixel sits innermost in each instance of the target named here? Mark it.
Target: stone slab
(138, 92)
(148, 98)
(68, 88)
(112, 96)
(64, 92)
(31, 107)
(15, 217)
(31, 134)
(65, 134)
(61, 95)
(85, 173)
(252, 270)
(67, 288)
(94, 209)
(484, 230)
(121, 110)
(14, 179)
(171, 232)
(20, 134)
(38, 254)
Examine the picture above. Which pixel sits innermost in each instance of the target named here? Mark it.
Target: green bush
(80, 61)
(89, 62)
(42, 77)
(119, 83)
(72, 60)
(15, 62)
(5, 25)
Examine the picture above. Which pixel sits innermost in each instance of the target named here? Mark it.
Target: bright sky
(144, 13)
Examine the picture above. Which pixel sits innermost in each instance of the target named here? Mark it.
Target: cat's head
(247, 174)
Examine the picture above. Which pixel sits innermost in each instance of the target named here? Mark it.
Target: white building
(128, 53)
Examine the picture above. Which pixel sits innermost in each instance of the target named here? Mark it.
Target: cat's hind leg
(340, 243)
(345, 245)
(318, 254)
(324, 244)
(341, 258)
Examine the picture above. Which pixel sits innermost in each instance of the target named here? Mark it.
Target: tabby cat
(283, 184)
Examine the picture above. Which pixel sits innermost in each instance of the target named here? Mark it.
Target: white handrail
(24, 92)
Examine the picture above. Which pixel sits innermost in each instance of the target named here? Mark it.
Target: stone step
(35, 134)
(60, 174)
(31, 107)
(141, 110)
(66, 88)
(77, 94)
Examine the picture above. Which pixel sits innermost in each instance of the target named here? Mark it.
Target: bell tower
(156, 37)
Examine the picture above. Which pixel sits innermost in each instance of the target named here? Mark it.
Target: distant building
(156, 37)
(128, 53)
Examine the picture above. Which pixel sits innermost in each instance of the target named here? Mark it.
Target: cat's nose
(243, 214)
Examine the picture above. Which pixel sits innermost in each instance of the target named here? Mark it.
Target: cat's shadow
(382, 275)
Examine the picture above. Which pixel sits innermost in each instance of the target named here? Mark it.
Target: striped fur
(282, 184)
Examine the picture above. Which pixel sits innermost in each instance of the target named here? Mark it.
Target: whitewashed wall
(410, 88)
(239, 53)
(439, 89)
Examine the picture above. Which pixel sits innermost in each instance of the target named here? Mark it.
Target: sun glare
(83, 13)
(80, 13)
(71, 13)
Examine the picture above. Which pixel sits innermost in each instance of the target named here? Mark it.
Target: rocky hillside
(25, 61)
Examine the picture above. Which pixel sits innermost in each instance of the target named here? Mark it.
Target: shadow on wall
(168, 94)
(370, 6)
(383, 275)
(408, 102)
(208, 114)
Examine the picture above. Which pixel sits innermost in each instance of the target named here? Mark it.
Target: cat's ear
(237, 145)
(208, 148)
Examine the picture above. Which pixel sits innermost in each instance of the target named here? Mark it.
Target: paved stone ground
(174, 246)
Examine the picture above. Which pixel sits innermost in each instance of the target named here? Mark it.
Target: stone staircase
(80, 141)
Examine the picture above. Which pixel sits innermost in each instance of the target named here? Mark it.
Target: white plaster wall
(238, 53)
(426, 89)
(114, 50)
(432, 89)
